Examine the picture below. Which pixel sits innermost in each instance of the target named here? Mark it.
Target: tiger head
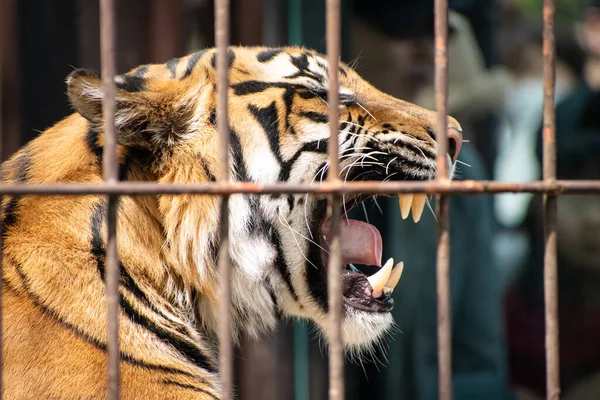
(279, 133)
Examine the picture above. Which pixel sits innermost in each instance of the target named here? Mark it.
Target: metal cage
(442, 187)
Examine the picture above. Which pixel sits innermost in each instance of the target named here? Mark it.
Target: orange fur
(54, 304)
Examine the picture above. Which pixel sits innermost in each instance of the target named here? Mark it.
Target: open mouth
(362, 244)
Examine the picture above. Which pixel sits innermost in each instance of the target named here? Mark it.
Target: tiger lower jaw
(367, 300)
(361, 329)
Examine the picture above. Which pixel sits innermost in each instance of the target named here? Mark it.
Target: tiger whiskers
(463, 163)
(388, 164)
(285, 223)
(367, 111)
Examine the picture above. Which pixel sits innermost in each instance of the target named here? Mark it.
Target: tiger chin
(54, 304)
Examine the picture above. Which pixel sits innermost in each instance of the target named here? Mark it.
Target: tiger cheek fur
(168, 245)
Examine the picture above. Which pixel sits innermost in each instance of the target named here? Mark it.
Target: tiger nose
(454, 143)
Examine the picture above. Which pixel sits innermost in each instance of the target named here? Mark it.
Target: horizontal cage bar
(557, 187)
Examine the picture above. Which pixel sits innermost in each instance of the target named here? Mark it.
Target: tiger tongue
(361, 242)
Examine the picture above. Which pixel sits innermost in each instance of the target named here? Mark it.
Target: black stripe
(209, 174)
(190, 387)
(316, 279)
(97, 247)
(194, 58)
(288, 100)
(132, 83)
(91, 139)
(282, 265)
(129, 283)
(360, 120)
(238, 157)
(316, 146)
(251, 87)
(139, 155)
(271, 292)
(187, 349)
(257, 225)
(184, 347)
(230, 58)
(172, 66)
(301, 62)
(315, 116)
(82, 335)
(311, 94)
(268, 55)
(141, 71)
(269, 120)
(415, 149)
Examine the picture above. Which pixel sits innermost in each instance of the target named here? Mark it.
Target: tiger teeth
(394, 277)
(418, 206)
(405, 201)
(412, 202)
(380, 278)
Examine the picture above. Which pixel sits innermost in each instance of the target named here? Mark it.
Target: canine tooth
(387, 291)
(378, 279)
(394, 276)
(405, 201)
(418, 205)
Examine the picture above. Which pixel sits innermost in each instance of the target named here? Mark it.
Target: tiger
(54, 303)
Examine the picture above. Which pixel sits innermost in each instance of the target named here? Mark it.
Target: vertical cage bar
(5, 7)
(333, 57)
(110, 167)
(441, 85)
(444, 319)
(550, 206)
(225, 340)
(334, 276)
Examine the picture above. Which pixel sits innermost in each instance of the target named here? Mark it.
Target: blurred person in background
(579, 110)
(578, 146)
(520, 43)
(392, 44)
(579, 285)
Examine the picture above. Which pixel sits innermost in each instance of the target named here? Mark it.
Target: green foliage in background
(566, 10)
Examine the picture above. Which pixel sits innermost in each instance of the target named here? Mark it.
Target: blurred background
(495, 91)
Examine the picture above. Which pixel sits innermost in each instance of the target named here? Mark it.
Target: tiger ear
(142, 117)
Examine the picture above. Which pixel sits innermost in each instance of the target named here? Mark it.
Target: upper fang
(418, 205)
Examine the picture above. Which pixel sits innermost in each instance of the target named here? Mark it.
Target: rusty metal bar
(444, 319)
(556, 188)
(110, 169)
(225, 339)
(550, 206)
(441, 86)
(334, 273)
(7, 8)
(333, 101)
(444, 311)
